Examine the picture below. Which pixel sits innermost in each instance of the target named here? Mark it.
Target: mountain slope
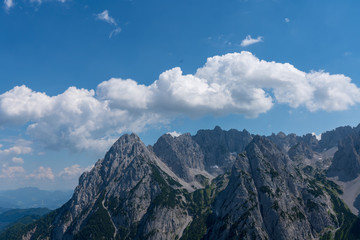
(174, 191)
(271, 199)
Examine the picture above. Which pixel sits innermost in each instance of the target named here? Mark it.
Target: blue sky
(76, 75)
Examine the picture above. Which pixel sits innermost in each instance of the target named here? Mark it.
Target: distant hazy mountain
(33, 198)
(214, 185)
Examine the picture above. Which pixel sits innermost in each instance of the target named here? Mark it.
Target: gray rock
(346, 162)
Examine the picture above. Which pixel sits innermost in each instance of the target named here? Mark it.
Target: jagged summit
(182, 154)
(216, 184)
(220, 147)
(124, 144)
(346, 163)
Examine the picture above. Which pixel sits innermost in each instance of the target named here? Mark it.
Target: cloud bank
(237, 83)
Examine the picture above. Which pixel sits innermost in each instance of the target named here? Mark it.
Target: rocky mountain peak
(220, 147)
(181, 154)
(281, 134)
(125, 144)
(283, 141)
(262, 145)
(262, 142)
(331, 138)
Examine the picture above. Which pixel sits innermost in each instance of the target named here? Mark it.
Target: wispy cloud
(36, 1)
(11, 3)
(11, 172)
(287, 20)
(73, 171)
(8, 4)
(17, 160)
(115, 32)
(10, 156)
(16, 150)
(237, 83)
(42, 173)
(41, 1)
(249, 41)
(104, 16)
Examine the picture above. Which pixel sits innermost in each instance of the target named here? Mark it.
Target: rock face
(346, 163)
(220, 147)
(272, 199)
(300, 151)
(284, 142)
(331, 138)
(182, 154)
(214, 185)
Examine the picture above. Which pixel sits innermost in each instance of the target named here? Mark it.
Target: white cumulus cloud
(73, 171)
(16, 150)
(18, 147)
(42, 173)
(11, 153)
(11, 172)
(17, 160)
(21, 104)
(235, 83)
(249, 40)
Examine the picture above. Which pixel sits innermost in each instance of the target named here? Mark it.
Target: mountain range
(216, 184)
